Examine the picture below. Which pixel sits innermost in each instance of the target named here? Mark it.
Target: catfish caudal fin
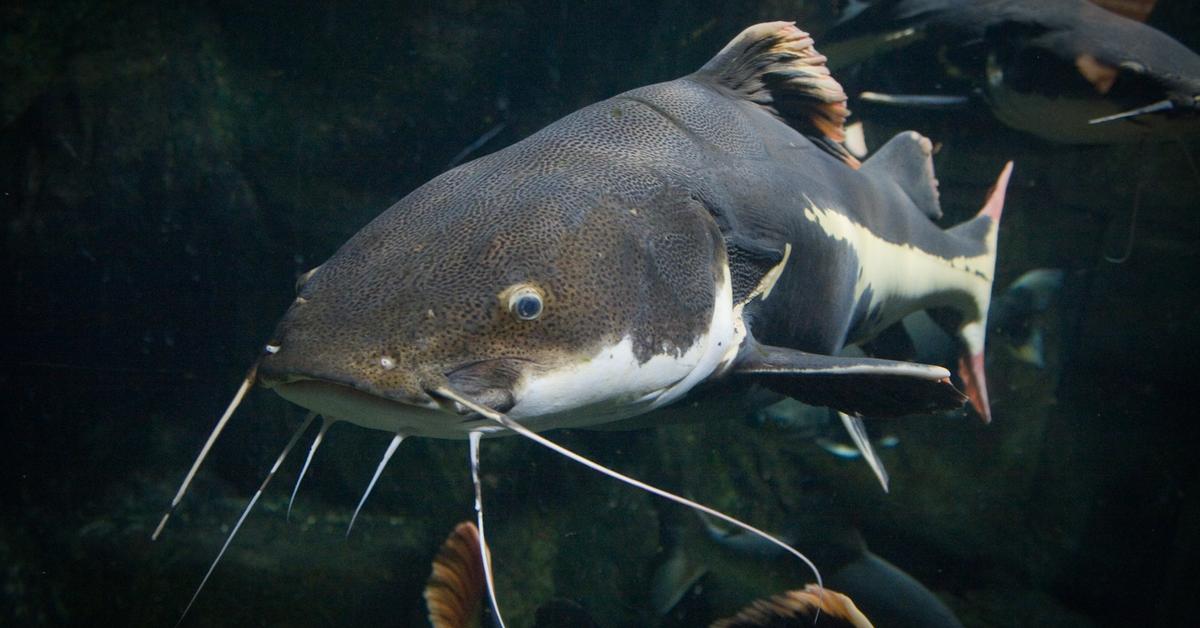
(971, 324)
(454, 591)
(904, 165)
(813, 606)
(775, 66)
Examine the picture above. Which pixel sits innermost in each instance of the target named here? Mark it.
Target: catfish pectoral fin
(856, 386)
(1155, 107)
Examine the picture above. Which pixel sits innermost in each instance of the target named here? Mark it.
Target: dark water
(167, 172)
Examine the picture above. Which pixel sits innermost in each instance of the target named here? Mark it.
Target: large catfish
(699, 238)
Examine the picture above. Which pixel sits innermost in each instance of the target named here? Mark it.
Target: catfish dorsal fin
(775, 66)
(906, 162)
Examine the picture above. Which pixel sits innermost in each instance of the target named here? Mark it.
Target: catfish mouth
(489, 383)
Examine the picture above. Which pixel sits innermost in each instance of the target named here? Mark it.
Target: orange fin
(970, 369)
(454, 591)
(1099, 74)
(814, 606)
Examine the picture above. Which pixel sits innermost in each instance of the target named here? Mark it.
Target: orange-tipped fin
(775, 66)
(813, 606)
(970, 369)
(994, 206)
(454, 591)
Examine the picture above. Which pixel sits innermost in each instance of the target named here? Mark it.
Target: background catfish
(1069, 71)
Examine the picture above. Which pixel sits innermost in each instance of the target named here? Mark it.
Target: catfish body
(1046, 68)
(613, 261)
(705, 236)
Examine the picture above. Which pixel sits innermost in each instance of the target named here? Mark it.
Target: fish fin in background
(856, 386)
(928, 102)
(1154, 107)
(813, 606)
(1104, 74)
(454, 591)
(1017, 314)
(905, 165)
(672, 580)
(858, 434)
(890, 595)
(779, 70)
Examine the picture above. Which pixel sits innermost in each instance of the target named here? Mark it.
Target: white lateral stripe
(902, 276)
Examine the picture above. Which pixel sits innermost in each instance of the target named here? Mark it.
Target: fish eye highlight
(525, 302)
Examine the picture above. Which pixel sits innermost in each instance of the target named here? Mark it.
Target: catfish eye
(525, 303)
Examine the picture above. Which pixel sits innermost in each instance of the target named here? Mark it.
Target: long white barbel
(326, 423)
(212, 438)
(485, 554)
(253, 500)
(509, 423)
(387, 455)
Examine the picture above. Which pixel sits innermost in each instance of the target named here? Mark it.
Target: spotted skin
(621, 215)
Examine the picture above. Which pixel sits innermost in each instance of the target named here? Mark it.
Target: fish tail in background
(813, 606)
(1018, 315)
(454, 591)
(971, 329)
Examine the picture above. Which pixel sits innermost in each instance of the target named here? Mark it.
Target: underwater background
(167, 171)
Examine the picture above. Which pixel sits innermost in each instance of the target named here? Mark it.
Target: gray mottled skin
(619, 214)
(757, 176)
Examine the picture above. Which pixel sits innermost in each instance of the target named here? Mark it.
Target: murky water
(168, 172)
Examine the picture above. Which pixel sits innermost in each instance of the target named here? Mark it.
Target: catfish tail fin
(970, 328)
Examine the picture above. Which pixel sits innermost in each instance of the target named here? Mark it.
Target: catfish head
(531, 295)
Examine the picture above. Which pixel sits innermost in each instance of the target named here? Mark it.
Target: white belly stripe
(612, 384)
